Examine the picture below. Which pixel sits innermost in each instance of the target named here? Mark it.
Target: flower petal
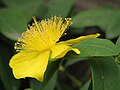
(81, 38)
(60, 49)
(29, 64)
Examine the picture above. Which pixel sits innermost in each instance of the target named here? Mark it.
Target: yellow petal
(60, 49)
(29, 64)
(81, 38)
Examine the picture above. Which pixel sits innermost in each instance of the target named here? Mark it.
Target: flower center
(43, 35)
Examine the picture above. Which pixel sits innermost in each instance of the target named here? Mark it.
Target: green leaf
(113, 29)
(42, 10)
(92, 17)
(107, 19)
(95, 47)
(52, 82)
(119, 70)
(35, 85)
(13, 3)
(59, 7)
(28, 7)
(85, 86)
(6, 75)
(49, 79)
(118, 44)
(28, 89)
(12, 23)
(105, 74)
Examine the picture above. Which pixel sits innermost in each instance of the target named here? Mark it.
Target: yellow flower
(39, 44)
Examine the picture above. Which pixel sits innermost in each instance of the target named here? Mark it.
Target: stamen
(43, 35)
(36, 23)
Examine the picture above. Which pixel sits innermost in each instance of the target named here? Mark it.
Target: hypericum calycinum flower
(39, 44)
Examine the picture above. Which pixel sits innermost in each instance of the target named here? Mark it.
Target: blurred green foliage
(107, 19)
(102, 55)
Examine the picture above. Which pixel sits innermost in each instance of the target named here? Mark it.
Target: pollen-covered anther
(69, 21)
